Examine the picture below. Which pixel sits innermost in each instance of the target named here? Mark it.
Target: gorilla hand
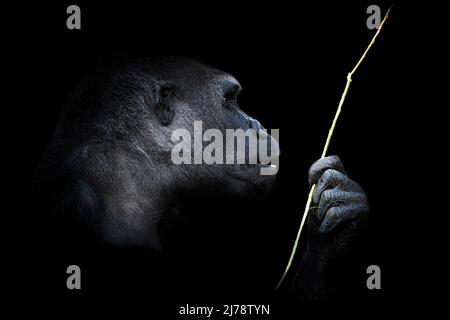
(339, 207)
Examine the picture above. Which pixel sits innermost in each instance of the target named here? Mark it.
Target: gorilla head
(108, 167)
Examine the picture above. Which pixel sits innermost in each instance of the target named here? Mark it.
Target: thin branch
(327, 144)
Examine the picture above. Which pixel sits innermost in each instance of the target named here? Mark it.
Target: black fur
(108, 169)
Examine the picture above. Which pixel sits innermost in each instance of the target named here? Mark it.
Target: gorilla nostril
(231, 89)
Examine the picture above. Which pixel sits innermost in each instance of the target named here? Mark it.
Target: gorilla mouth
(260, 163)
(269, 167)
(264, 164)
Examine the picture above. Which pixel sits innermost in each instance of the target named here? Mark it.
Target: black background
(292, 61)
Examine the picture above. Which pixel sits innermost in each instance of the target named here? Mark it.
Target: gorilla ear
(164, 108)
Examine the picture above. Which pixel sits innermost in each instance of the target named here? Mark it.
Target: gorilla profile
(107, 173)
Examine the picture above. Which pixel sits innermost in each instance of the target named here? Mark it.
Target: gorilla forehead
(193, 80)
(182, 67)
(187, 73)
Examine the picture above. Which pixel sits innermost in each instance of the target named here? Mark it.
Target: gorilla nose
(254, 124)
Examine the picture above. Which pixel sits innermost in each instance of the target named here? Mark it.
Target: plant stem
(325, 149)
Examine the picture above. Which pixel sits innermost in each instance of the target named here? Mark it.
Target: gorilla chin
(264, 183)
(254, 184)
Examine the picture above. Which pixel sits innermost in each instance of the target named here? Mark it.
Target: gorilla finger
(336, 216)
(330, 179)
(336, 197)
(318, 167)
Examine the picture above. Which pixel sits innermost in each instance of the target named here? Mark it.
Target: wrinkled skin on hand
(339, 208)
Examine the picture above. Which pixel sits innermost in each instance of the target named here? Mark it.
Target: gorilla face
(109, 164)
(196, 92)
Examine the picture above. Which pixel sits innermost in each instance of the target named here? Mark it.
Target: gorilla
(107, 175)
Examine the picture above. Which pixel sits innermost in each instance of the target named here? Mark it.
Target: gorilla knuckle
(334, 160)
(336, 163)
(327, 196)
(333, 214)
(330, 175)
(322, 165)
(326, 175)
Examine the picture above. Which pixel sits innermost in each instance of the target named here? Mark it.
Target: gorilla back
(107, 173)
